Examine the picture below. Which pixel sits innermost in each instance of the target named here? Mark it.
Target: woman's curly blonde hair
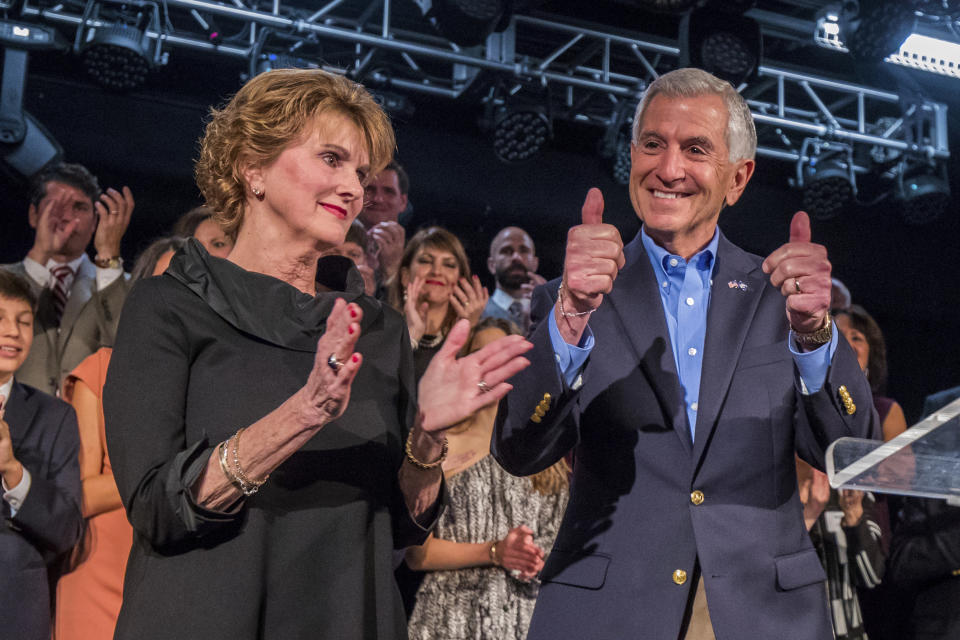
(270, 112)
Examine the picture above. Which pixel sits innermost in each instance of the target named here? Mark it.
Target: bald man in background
(513, 263)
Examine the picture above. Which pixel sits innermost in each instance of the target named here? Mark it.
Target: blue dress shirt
(685, 296)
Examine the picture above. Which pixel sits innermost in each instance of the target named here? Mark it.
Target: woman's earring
(258, 194)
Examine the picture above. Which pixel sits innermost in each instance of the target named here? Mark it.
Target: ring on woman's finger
(484, 387)
(333, 363)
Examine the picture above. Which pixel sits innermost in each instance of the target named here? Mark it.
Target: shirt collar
(51, 263)
(502, 299)
(6, 388)
(660, 257)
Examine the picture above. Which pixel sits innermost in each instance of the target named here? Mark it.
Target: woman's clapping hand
(453, 388)
(325, 395)
(517, 552)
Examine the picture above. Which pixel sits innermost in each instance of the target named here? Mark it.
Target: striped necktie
(519, 318)
(60, 287)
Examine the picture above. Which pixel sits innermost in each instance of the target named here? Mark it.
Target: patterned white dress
(485, 603)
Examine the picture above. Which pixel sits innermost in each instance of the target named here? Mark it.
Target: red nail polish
(353, 312)
(356, 358)
(350, 329)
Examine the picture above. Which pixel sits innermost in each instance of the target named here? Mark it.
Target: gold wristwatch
(816, 338)
(108, 263)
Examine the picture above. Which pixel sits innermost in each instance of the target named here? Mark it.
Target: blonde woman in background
(484, 555)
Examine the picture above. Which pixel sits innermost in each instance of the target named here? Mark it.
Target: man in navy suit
(670, 369)
(40, 474)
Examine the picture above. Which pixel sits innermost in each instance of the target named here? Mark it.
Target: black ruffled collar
(266, 307)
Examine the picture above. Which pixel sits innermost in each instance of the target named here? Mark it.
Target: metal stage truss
(583, 73)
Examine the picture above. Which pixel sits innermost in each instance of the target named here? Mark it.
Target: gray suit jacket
(46, 441)
(89, 322)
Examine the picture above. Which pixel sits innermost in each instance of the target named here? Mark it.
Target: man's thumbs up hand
(801, 271)
(594, 257)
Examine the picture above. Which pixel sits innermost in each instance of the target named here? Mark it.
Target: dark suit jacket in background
(89, 322)
(46, 441)
(632, 520)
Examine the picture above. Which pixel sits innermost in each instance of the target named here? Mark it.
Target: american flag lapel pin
(738, 284)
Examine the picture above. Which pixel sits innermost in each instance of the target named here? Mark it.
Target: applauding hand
(469, 299)
(517, 552)
(453, 388)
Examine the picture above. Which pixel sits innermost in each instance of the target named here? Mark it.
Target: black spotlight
(118, 57)
(621, 162)
(467, 22)
(873, 29)
(36, 150)
(726, 44)
(923, 197)
(26, 146)
(827, 188)
(519, 132)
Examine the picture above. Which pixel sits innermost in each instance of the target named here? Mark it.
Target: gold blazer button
(696, 497)
(679, 576)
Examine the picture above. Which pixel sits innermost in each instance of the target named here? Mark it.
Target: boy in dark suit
(40, 474)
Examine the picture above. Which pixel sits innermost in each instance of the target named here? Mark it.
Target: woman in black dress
(264, 506)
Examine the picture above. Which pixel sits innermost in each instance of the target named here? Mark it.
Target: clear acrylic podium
(922, 461)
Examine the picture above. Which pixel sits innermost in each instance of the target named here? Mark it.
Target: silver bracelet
(247, 486)
(566, 314)
(225, 467)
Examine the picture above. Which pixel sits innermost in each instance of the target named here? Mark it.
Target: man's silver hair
(690, 83)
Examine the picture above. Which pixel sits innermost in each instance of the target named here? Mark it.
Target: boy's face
(16, 335)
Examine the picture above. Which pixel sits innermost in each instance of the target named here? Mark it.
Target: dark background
(906, 276)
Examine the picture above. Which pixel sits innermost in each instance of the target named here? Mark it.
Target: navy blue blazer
(646, 502)
(46, 441)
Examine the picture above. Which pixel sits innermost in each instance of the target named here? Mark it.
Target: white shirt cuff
(18, 494)
(106, 277)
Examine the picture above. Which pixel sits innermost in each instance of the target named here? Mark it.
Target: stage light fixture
(930, 54)
(873, 29)
(25, 145)
(118, 56)
(36, 150)
(467, 22)
(519, 132)
(827, 189)
(825, 172)
(722, 42)
(621, 162)
(922, 197)
(918, 51)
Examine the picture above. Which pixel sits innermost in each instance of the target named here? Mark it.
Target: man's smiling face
(681, 172)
